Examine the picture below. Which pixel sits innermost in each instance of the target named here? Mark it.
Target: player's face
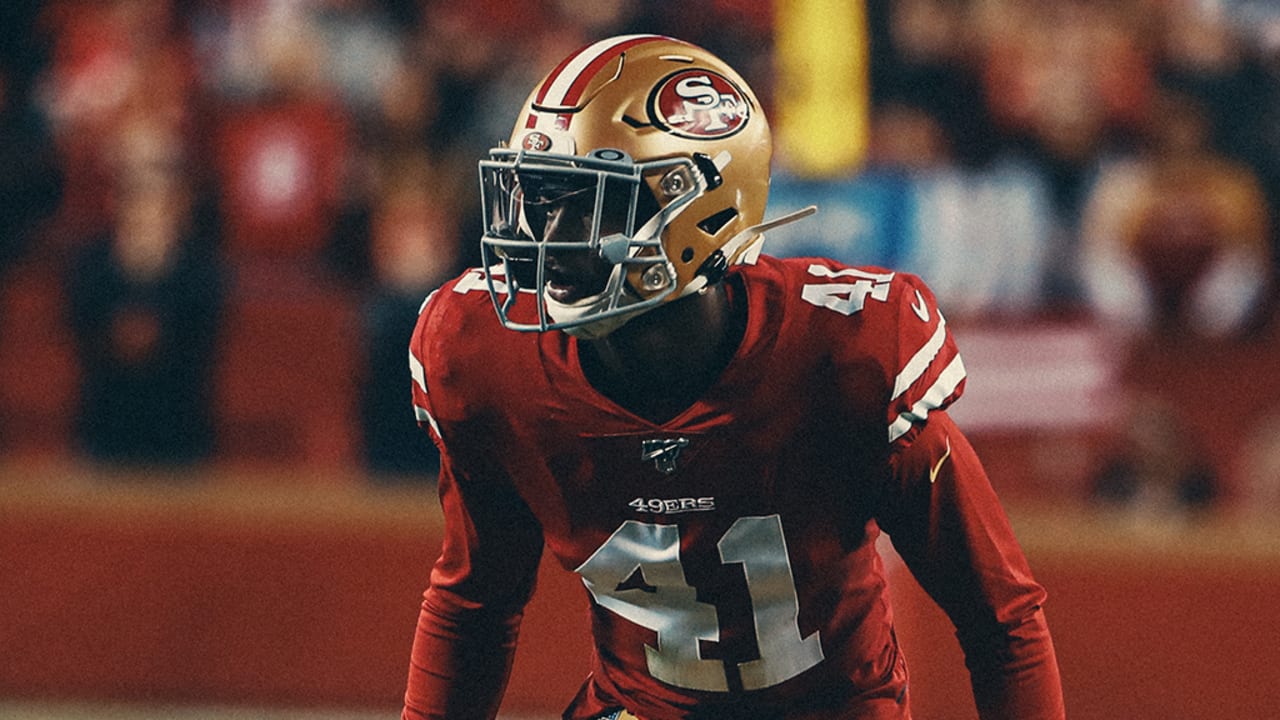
(561, 213)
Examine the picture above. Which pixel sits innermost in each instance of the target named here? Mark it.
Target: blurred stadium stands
(1014, 156)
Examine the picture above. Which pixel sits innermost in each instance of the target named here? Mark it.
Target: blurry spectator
(283, 150)
(1065, 82)
(1204, 53)
(1156, 465)
(979, 233)
(394, 134)
(469, 62)
(907, 137)
(362, 44)
(1224, 55)
(1260, 468)
(145, 303)
(468, 48)
(30, 178)
(414, 248)
(1176, 238)
(109, 61)
(925, 64)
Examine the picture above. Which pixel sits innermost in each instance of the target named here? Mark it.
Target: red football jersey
(729, 553)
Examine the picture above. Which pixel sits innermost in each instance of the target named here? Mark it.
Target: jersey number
(670, 608)
(846, 298)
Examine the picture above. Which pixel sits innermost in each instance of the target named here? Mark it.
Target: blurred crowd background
(219, 217)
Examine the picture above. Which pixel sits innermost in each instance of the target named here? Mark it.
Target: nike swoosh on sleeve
(933, 471)
(919, 308)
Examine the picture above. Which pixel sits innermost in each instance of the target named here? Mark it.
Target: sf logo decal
(699, 104)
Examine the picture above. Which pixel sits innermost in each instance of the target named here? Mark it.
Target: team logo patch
(663, 452)
(537, 142)
(699, 104)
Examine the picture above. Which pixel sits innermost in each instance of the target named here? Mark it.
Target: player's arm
(471, 611)
(948, 525)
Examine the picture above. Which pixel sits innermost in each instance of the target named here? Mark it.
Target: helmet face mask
(611, 199)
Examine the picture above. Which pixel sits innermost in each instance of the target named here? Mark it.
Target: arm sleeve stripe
(420, 380)
(933, 399)
(920, 361)
(423, 416)
(419, 373)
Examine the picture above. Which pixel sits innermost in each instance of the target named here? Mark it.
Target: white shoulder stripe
(424, 304)
(419, 373)
(919, 362)
(947, 383)
(423, 416)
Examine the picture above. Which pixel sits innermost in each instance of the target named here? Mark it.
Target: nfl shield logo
(663, 452)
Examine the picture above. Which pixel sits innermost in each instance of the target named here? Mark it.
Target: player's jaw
(575, 275)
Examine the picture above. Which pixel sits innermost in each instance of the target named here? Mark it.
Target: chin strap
(752, 234)
(599, 328)
(744, 247)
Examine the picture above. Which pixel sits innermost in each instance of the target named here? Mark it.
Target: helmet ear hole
(686, 255)
(714, 267)
(712, 224)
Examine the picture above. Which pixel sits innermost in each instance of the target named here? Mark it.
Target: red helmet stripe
(565, 84)
(546, 84)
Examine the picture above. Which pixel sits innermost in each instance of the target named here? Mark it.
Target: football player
(710, 437)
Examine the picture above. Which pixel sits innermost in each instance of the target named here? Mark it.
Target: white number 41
(849, 297)
(670, 607)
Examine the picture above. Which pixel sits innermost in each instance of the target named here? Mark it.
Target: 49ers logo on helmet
(536, 141)
(699, 104)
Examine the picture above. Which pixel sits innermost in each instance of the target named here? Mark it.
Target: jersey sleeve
(418, 373)
(927, 371)
(488, 562)
(948, 525)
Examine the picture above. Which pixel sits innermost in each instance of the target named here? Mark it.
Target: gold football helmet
(637, 173)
